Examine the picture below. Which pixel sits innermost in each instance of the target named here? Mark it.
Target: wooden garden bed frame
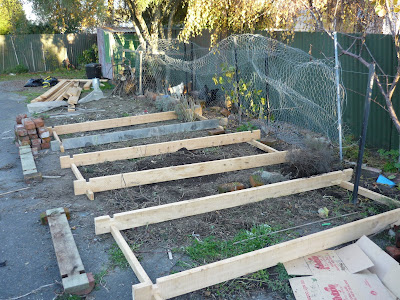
(124, 180)
(109, 123)
(204, 276)
(131, 179)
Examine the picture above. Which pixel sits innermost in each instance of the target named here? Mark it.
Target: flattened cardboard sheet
(350, 259)
(340, 286)
(385, 267)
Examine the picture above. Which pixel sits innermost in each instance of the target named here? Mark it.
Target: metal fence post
(339, 111)
(364, 130)
(140, 72)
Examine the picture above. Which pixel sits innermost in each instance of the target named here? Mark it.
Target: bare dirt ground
(26, 247)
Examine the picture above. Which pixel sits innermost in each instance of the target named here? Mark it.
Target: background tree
(12, 17)
(150, 16)
(363, 15)
(223, 17)
(67, 16)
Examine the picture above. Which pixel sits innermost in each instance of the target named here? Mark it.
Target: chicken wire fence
(266, 78)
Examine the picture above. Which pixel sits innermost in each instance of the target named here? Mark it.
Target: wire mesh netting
(266, 78)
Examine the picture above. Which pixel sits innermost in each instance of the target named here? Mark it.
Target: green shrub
(89, 56)
(18, 69)
(391, 158)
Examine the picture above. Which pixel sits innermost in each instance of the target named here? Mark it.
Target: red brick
(35, 151)
(394, 252)
(230, 187)
(43, 132)
(37, 148)
(32, 131)
(24, 138)
(92, 284)
(25, 143)
(36, 143)
(33, 136)
(20, 130)
(46, 140)
(256, 180)
(20, 117)
(216, 131)
(28, 123)
(45, 145)
(38, 122)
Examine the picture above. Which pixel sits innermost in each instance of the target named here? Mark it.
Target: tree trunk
(171, 19)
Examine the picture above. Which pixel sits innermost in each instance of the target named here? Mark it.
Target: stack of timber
(65, 89)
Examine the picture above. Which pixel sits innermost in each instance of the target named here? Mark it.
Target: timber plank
(118, 181)
(116, 122)
(181, 209)
(119, 136)
(262, 146)
(68, 258)
(130, 256)
(49, 92)
(371, 194)
(91, 158)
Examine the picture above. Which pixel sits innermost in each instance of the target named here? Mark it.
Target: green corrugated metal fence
(42, 52)
(381, 131)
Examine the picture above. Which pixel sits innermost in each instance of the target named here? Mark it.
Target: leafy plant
(88, 56)
(260, 236)
(392, 163)
(18, 69)
(212, 249)
(240, 93)
(246, 127)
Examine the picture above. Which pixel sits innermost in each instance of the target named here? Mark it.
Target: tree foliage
(68, 16)
(12, 17)
(222, 17)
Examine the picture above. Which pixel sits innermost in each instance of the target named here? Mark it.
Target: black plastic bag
(34, 82)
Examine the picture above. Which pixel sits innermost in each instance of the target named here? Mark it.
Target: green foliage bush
(18, 69)
(89, 56)
(391, 158)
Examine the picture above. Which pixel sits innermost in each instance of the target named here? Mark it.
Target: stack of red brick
(31, 131)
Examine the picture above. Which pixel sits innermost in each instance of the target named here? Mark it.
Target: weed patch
(391, 158)
(117, 258)
(212, 249)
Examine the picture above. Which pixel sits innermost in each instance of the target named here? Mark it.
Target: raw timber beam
(130, 256)
(181, 209)
(119, 181)
(262, 146)
(113, 123)
(119, 136)
(92, 158)
(371, 195)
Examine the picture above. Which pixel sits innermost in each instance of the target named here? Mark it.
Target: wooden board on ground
(119, 181)
(91, 158)
(371, 195)
(28, 164)
(193, 207)
(114, 123)
(126, 135)
(72, 271)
